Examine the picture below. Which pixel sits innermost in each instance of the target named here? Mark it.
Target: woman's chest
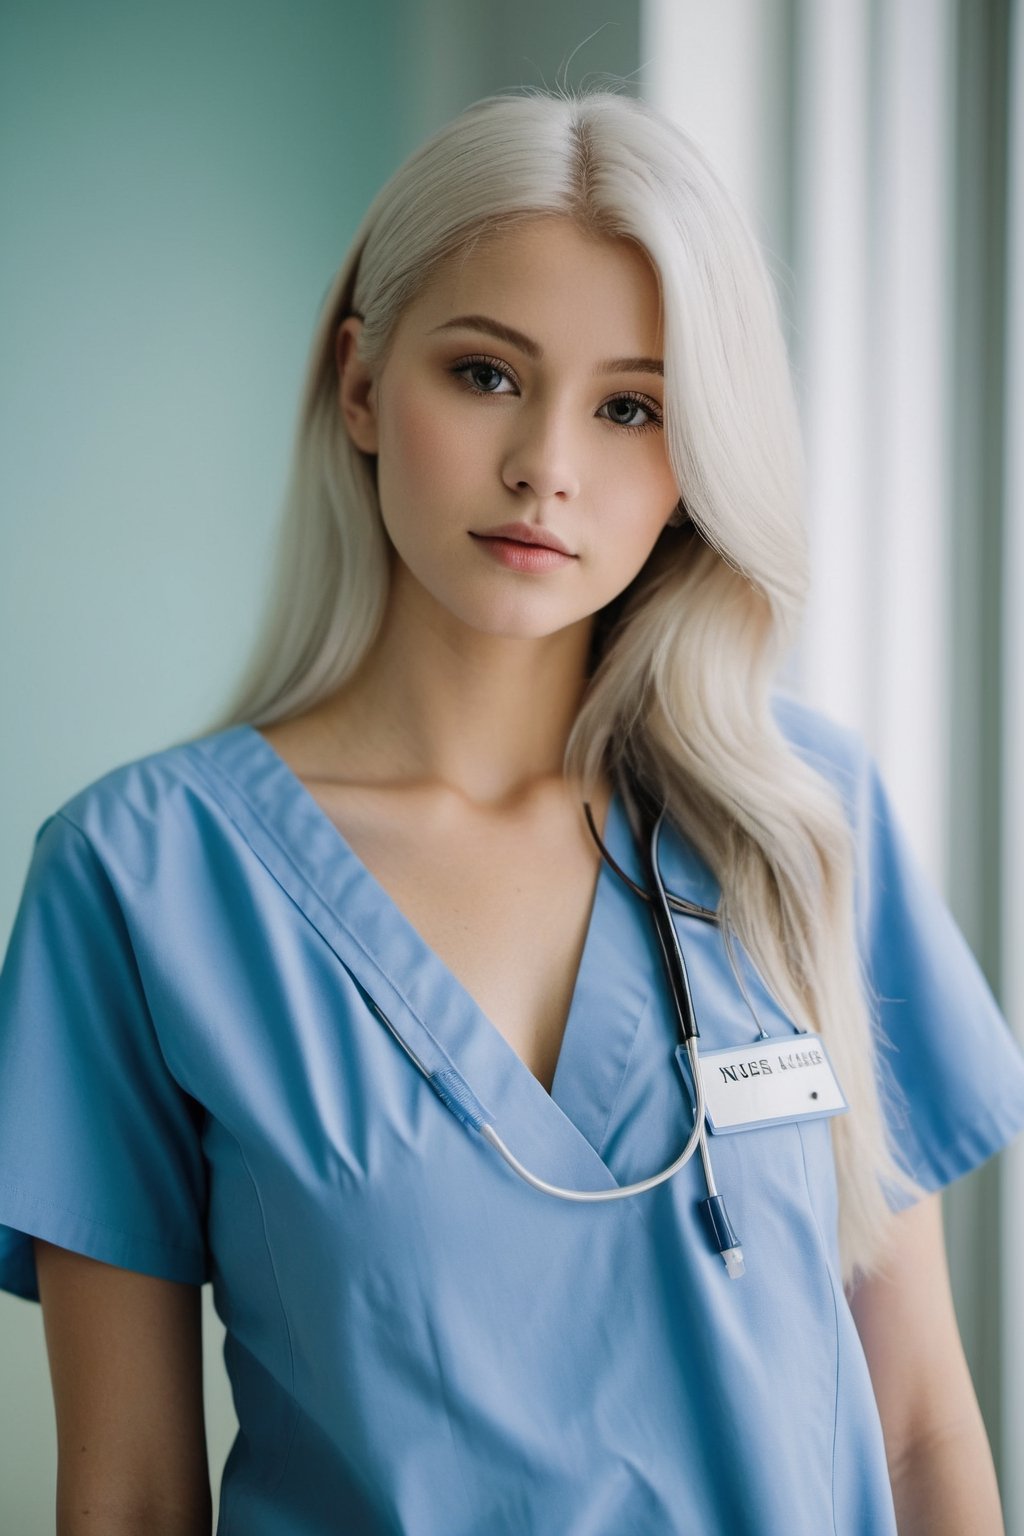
(373, 1252)
(353, 1218)
(504, 902)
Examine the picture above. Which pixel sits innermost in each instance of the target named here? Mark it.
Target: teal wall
(178, 186)
(469, 48)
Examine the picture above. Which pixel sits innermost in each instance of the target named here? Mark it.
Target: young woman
(347, 1007)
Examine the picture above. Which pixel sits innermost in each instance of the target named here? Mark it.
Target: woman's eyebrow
(532, 349)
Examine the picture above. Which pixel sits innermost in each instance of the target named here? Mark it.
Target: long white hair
(684, 661)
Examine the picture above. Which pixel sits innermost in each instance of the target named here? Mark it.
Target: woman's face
(523, 385)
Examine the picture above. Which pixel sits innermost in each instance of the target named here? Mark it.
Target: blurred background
(179, 185)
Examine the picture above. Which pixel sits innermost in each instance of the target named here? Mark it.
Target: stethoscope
(455, 1093)
(640, 808)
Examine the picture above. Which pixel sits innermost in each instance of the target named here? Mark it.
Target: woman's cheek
(427, 446)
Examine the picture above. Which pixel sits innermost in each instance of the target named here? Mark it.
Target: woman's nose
(544, 458)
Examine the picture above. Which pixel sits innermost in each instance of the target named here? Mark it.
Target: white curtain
(866, 141)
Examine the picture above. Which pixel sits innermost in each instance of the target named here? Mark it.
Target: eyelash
(495, 363)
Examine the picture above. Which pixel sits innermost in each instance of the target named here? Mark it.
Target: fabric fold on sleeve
(100, 1147)
(952, 1071)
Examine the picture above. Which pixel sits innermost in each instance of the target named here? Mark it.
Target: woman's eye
(623, 407)
(482, 375)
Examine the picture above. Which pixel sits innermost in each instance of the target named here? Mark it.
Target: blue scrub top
(195, 1084)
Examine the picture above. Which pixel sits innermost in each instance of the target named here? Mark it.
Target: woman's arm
(125, 1353)
(940, 1463)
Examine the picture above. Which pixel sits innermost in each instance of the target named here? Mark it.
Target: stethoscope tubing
(456, 1095)
(697, 1135)
(675, 967)
(724, 1238)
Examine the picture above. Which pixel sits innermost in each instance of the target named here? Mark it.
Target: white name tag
(766, 1082)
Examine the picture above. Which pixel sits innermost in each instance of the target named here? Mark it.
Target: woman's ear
(357, 393)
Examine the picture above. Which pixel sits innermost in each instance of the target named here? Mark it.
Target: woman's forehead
(547, 273)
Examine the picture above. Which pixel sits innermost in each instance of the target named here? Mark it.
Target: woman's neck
(485, 715)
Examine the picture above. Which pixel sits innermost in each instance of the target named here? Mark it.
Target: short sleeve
(100, 1147)
(952, 1073)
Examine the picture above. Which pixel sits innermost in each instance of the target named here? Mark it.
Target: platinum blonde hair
(684, 660)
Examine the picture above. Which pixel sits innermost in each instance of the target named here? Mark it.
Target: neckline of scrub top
(560, 1135)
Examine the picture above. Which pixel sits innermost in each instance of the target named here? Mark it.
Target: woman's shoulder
(123, 807)
(839, 751)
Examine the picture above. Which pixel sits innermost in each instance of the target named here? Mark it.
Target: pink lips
(527, 533)
(523, 557)
(524, 547)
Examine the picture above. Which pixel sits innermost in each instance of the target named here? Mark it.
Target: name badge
(766, 1082)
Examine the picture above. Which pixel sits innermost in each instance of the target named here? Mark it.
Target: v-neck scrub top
(196, 1083)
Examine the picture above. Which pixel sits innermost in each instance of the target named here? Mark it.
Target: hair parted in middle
(684, 660)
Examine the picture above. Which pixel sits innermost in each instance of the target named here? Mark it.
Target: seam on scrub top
(271, 1487)
(446, 1401)
(131, 955)
(936, 1164)
(104, 1226)
(212, 778)
(603, 1139)
(835, 1306)
(321, 901)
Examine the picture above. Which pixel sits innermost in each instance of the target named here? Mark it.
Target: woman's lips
(522, 557)
(526, 533)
